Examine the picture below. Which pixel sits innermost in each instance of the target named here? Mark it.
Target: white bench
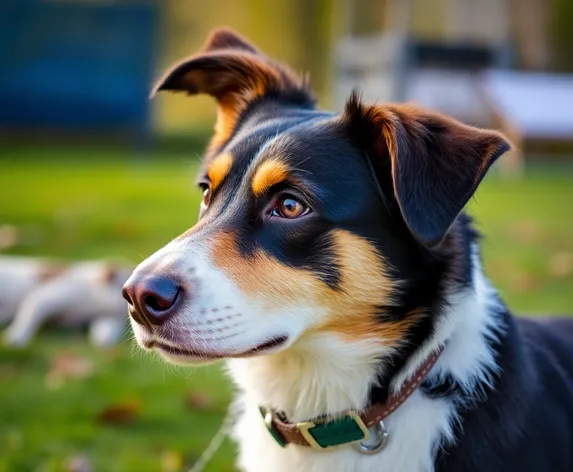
(530, 106)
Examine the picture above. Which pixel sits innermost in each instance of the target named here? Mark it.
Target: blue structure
(76, 65)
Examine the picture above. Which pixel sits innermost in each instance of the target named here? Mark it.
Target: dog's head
(311, 222)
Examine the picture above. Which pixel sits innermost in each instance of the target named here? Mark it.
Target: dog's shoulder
(526, 421)
(549, 344)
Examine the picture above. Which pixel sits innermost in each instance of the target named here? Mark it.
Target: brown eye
(290, 208)
(206, 196)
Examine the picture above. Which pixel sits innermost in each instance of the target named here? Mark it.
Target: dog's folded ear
(430, 164)
(235, 74)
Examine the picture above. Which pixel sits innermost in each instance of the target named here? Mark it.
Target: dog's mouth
(206, 355)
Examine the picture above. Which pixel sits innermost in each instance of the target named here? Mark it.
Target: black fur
(525, 423)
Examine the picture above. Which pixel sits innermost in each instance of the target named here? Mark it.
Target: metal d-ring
(376, 442)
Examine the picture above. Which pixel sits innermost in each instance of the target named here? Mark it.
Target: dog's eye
(289, 207)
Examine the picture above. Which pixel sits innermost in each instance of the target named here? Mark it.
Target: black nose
(152, 299)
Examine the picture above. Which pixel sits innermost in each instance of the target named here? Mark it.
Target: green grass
(45, 423)
(77, 203)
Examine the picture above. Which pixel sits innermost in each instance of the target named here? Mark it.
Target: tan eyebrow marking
(219, 168)
(268, 174)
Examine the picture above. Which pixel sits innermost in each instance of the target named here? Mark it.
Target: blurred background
(90, 168)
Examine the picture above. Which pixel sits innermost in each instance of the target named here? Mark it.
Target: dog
(34, 291)
(334, 269)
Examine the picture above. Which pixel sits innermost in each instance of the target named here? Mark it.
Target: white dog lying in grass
(36, 291)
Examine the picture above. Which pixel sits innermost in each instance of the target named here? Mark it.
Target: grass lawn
(122, 410)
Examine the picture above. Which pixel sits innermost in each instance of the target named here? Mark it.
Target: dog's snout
(152, 299)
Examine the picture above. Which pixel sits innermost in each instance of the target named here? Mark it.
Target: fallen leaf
(121, 413)
(198, 401)
(561, 264)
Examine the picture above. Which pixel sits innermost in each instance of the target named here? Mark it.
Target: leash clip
(376, 441)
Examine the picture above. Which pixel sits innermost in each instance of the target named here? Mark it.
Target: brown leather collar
(285, 432)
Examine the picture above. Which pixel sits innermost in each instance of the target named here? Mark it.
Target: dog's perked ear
(235, 74)
(430, 164)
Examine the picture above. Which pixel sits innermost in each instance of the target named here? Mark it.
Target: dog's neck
(321, 375)
(325, 375)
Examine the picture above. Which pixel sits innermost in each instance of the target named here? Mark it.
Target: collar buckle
(331, 434)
